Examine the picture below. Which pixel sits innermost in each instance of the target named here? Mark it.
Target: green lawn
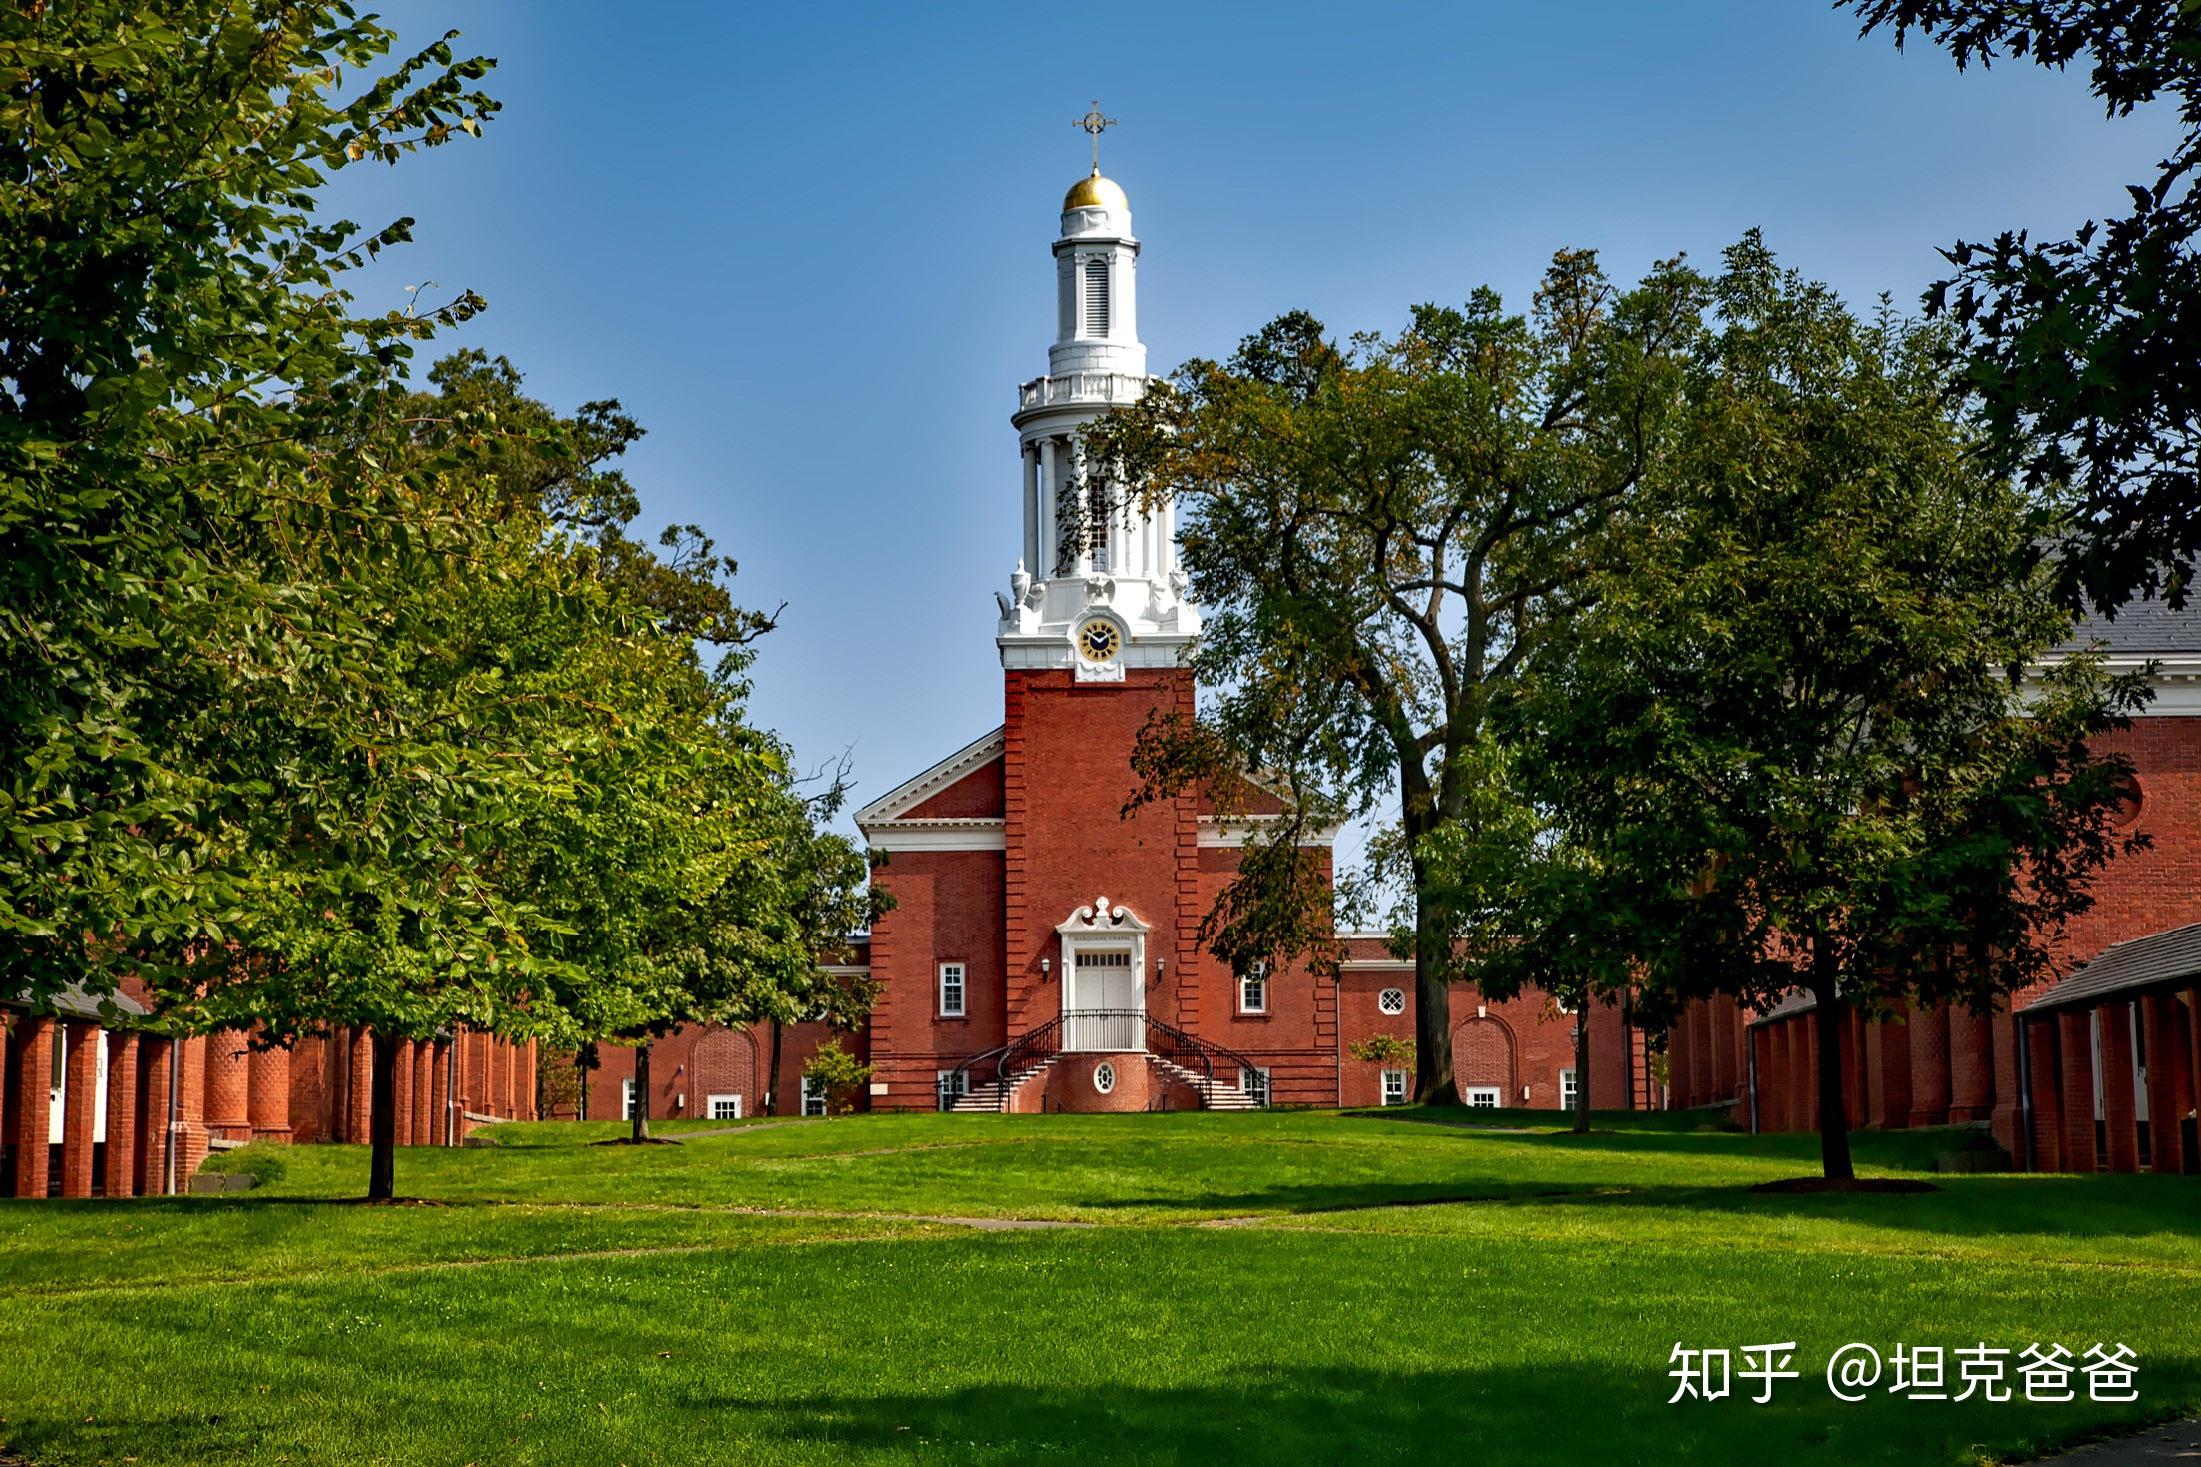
(1270, 1287)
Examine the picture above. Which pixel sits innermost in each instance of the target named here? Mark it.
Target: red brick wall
(949, 907)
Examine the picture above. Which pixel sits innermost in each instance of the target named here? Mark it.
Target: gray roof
(2126, 967)
(1797, 1002)
(2140, 628)
(78, 1002)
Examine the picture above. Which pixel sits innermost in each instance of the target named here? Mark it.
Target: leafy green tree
(1380, 534)
(2081, 349)
(1804, 733)
(177, 356)
(839, 1074)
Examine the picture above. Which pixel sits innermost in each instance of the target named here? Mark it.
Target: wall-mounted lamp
(1046, 966)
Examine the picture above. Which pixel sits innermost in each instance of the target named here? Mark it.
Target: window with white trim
(1394, 1087)
(722, 1107)
(1096, 297)
(1483, 1097)
(813, 1096)
(1568, 1090)
(1253, 990)
(626, 1100)
(951, 990)
(1392, 1001)
(1104, 1077)
(949, 1086)
(1255, 1082)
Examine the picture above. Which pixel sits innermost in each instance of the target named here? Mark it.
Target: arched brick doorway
(1482, 1062)
(726, 1064)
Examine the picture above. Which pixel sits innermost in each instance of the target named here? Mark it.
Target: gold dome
(1095, 192)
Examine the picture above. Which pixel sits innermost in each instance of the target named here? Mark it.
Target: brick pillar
(2075, 1042)
(1701, 1030)
(1891, 1090)
(1725, 1016)
(359, 1083)
(154, 1057)
(2046, 1089)
(424, 1110)
(535, 1058)
(2007, 1128)
(402, 1093)
(2120, 1106)
(1930, 1066)
(229, 1085)
(34, 1044)
(439, 1090)
(2170, 1087)
(1807, 1093)
(122, 1114)
(1677, 1061)
(1971, 1066)
(1856, 1092)
(79, 1109)
(268, 1109)
(191, 1132)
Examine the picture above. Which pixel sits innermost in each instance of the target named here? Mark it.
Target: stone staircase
(999, 1095)
(1214, 1094)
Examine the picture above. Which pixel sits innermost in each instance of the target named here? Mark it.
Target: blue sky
(807, 245)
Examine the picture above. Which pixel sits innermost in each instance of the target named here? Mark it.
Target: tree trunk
(382, 1121)
(580, 1073)
(772, 1075)
(642, 1092)
(1833, 1113)
(1582, 1066)
(1433, 1080)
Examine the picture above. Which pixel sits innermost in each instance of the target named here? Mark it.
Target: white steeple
(1114, 597)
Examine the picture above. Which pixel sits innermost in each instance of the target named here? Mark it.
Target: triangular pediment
(905, 799)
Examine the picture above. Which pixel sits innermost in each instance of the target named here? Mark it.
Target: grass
(1269, 1287)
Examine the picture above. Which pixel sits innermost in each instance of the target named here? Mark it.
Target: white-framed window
(1255, 1082)
(813, 1096)
(1253, 990)
(1104, 1077)
(949, 1086)
(951, 990)
(722, 1107)
(1568, 1090)
(1391, 1001)
(626, 1100)
(1483, 1097)
(1394, 1087)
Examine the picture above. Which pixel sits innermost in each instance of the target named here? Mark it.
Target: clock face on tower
(1099, 640)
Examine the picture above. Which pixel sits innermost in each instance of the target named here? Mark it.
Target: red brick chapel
(1041, 953)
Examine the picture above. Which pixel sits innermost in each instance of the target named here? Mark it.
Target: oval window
(1104, 1077)
(1392, 1000)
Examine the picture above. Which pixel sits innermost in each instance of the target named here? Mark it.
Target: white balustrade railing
(1104, 1031)
(1081, 387)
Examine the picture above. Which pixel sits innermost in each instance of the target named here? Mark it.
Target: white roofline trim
(969, 759)
(1231, 834)
(939, 835)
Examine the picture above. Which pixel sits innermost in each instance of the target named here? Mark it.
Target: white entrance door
(1101, 1010)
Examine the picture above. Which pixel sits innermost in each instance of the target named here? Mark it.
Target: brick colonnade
(2112, 1086)
(2089, 1081)
(136, 1112)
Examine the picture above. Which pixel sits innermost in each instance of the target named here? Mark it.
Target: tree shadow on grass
(1558, 1413)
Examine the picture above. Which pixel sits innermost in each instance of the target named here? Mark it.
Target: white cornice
(1376, 965)
(938, 835)
(1231, 834)
(969, 759)
(845, 970)
(2175, 677)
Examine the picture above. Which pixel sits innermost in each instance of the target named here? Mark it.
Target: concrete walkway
(2175, 1441)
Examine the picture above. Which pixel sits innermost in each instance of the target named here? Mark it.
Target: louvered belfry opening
(1096, 297)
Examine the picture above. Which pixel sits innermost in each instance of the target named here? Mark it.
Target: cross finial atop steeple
(1095, 124)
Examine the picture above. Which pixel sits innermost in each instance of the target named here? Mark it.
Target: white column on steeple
(1028, 477)
(1050, 533)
